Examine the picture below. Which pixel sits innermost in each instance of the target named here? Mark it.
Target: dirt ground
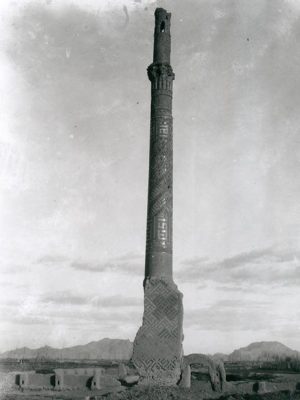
(192, 394)
(152, 393)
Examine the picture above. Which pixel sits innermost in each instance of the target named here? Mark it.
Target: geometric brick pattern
(157, 350)
(160, 191)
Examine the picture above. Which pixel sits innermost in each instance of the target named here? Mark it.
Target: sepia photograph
(150, 199)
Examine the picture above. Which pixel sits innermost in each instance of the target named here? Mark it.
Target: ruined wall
(8, 381)
(76, 381)
(214, 369)
(79, 371)
(69, 378)
(33, 380)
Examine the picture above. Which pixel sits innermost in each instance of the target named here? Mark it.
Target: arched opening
(162, 26)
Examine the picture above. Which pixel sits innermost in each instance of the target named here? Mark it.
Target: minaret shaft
(160, 189)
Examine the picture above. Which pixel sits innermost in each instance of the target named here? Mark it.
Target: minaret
(160, 189)
(157, 349)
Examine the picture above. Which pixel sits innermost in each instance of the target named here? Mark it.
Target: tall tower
(157, 350)
(160, 189)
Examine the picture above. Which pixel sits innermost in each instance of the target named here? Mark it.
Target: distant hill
(263, 351)
(105, 349)
(220, 356)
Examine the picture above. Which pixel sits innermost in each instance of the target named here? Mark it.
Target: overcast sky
(74, 137)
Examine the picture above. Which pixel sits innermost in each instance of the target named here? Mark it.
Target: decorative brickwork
(157, 350)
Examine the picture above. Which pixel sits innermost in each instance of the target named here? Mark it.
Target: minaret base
(157, 349)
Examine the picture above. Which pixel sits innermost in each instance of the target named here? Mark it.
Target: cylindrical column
(160, 187)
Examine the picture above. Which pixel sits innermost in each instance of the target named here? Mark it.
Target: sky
(74, 145)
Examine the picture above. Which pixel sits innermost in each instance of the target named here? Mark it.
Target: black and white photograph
(150, 199)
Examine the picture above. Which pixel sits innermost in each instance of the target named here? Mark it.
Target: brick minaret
(157, 351)
(160, 190)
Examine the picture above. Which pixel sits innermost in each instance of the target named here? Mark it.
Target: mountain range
(118, 349)
(105, 349)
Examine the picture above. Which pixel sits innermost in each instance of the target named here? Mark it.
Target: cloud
(229, 320)
(88, 267)
(231, 315)
(74, 318)
(258, 267)
(63, 298)
(129, 263)
(230, 288)
(51, 259)
(117, 301)
(31, 320)
(12, 270)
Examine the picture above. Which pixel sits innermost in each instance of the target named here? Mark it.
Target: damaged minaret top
(162, 37)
